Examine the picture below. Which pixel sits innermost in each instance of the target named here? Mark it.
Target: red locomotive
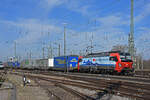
(106, 62)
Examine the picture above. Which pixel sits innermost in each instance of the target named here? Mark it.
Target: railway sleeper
(74, 92)
(127, 94)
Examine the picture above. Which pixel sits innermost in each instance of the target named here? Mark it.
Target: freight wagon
(14, 64)
(28, 64)
(64, 63)
(37, 63)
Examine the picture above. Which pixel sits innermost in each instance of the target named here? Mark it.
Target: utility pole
(142, 62)
(51, 51)
(58, 49)
(64, 39)
(92, 47)
(27, 55)
(92, 44)
(131, 35)
(65, 46)
(48, 45)
(30, 55)
(71, 52)
(15, 49)
(43, 52)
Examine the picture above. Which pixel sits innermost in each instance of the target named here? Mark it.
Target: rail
(133, 89)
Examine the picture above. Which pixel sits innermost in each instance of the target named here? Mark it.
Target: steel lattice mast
(131, 34)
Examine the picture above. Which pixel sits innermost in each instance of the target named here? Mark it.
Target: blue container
(60, 62)
(16, 64)
(13, 64)
(66, 61)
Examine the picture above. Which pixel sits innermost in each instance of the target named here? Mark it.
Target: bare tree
(146, 64)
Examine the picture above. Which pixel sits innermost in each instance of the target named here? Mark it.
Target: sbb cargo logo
(73, 60)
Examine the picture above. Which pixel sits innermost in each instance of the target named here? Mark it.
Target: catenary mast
(131, 34)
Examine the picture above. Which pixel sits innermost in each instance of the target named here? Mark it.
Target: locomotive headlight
(119, 65)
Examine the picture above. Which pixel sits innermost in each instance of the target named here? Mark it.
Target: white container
(51, 62)
(1, 65)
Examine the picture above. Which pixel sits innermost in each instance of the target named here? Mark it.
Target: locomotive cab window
(1, 63)
(80, 60)
(113, 59)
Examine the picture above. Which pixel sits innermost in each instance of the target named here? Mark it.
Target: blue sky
(37, 23)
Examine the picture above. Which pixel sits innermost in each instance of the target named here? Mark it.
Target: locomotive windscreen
(125, 57)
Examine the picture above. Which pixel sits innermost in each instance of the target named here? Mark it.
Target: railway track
(60, 83)
(124, 87)
(99, 76)
(138, 73)
(138, 90)
(11, 88)
(50, 93)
